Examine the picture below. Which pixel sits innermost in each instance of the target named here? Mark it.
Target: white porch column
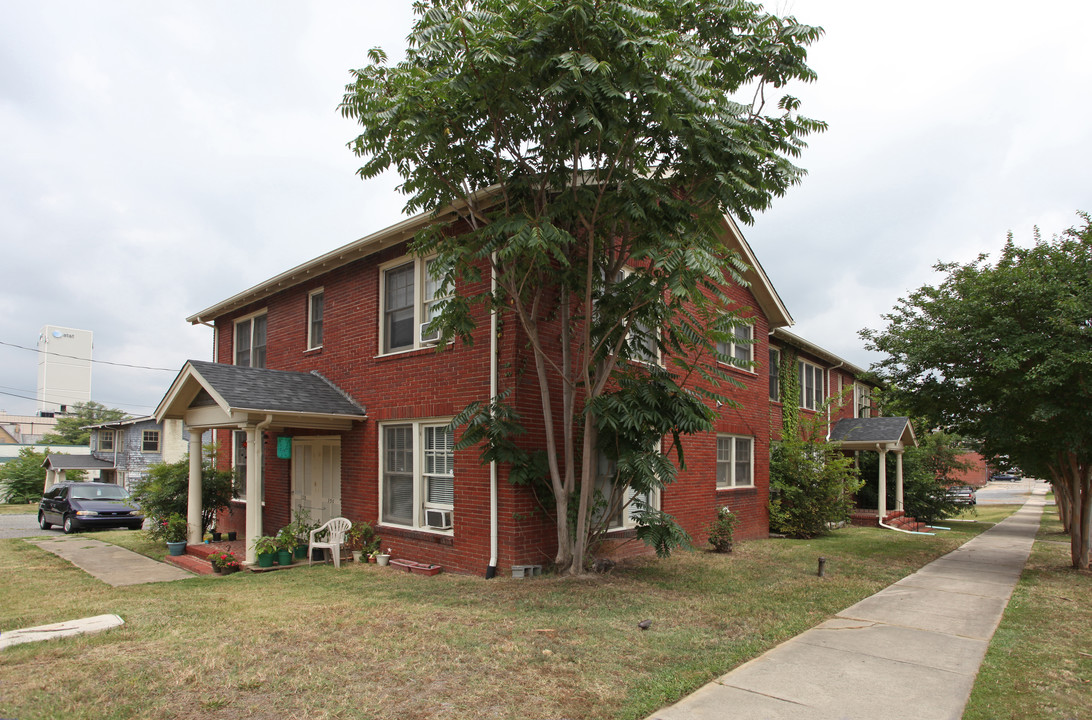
(253, 491)
(50, 480)
(883, 484)
(898, 479)
(193, 503)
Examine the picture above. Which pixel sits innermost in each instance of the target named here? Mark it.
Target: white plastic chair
(336, 529)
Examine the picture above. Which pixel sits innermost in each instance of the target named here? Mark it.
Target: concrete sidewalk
(111, 564)
(911, 650)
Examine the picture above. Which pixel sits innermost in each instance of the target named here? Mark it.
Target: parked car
(78, 505)
(1005, 477)
(962, 495)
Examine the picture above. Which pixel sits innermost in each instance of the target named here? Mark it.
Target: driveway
(1008, 493)
(17, 526)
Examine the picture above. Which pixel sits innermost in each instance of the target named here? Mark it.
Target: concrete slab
(960, 614)
(717, 702)
(112, 564)
(70, 628)
(987, 588)
(935, 650)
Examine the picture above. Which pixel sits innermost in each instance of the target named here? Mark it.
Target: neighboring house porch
(881, 435)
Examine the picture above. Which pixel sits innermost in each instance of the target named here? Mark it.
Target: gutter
(491, 570)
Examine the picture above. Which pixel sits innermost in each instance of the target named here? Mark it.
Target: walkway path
(110, 563)
(911, 650)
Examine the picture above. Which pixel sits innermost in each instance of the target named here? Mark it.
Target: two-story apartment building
(325, 393)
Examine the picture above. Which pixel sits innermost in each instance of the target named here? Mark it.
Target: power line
(52, 402)
(102, 362)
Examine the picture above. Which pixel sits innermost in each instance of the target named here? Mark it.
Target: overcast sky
(156, 158)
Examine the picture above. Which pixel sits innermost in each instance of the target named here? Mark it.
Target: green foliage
(265, 545)
(722, 530)
(789, 384)
(24, 476)
(69, 429)
(286, 539)
(927, 471)
(811, 483)
(590, 150)
(361, 536)
(1002, 353)
(173, 529)
(165, 491)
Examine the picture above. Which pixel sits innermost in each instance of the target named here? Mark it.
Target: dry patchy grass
(368, 642)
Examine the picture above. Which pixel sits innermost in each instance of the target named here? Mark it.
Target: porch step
(192, 563)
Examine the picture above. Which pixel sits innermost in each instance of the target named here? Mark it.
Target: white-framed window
(316, 301)
(735, 461)
(775, 374)
(149, 441)
(238, 463)
(643, 340)
(250, 340)
(623, 517)
(741, 347)
(811, 385)
(408, 297)
(106, 440)
(863, 404)
(417, 471)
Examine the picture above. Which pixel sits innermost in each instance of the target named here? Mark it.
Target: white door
(316, 476)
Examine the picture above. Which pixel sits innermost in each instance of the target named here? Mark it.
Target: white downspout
(491, 571)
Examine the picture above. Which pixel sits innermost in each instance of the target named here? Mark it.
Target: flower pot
(232, 536)
(217, 569)
(383, 559)
(229, 570)
(371, 559)
(266, 559)
(301, 552)
(216, 537)
(176, 548)
(357, 555)
(284, 557)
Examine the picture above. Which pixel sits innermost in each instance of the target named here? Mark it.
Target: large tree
(69, 429)
(591, 149)
(1003, 353)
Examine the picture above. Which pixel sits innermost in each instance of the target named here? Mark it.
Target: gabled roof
(303, 399)
(868, 433)
(788, 338)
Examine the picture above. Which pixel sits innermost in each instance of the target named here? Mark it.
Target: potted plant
(225, 562)
(286, 544)
(175, 530)
(266, 548)
(232, 535)
(301, 527)
(383, 558)
(360, 536)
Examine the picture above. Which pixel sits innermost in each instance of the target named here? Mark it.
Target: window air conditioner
(429, 337)
(438, 519)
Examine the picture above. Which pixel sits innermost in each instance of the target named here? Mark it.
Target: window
(149, 441)
(315, 302)
(811, 385)
(106, 440)
(623, 517)
(238, 457)
(418, 471)
(410, 298)
(740, 348)
(250, 341)
(643, 341)
(735, 466)
(775, 378)
(864, 401)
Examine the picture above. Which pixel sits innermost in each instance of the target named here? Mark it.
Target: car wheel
(42, 521)
(69, 525)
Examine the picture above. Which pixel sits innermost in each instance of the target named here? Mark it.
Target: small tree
(69, 429)
(24, 476)
(165, 492)
(812, 482)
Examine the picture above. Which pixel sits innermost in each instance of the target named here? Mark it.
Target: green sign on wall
(284, 447)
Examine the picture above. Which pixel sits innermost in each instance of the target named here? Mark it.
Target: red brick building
(325, 395)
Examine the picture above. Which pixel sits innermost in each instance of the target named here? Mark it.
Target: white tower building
(64, 368)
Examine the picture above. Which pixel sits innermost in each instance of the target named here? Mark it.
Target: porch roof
(871, 433)
(208, 394)
(75, 462)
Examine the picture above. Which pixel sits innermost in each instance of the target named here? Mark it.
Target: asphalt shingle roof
(75, 462)
(878, 429)
(262, 389)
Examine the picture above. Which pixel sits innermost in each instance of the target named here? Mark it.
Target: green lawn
(1039, 664)
(370, 642)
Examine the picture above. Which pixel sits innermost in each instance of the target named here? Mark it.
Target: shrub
(24, 476)
(174, 528)
(811, 487)
(722, 530)
(165, 491)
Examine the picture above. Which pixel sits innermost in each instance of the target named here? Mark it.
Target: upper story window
(106, 439)
(316, 302)
(250, 340)
(735, 461)
(864, 401)
(775, 374)
(149, 441)
(741, 347)
(410, 299)
(811, 385)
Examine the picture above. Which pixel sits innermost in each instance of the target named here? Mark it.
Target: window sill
(736, 488)
(313, 351)
(410, 351)
(439, 537)
(738, 369)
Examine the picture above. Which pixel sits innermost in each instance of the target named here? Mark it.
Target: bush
(174, 528)
(811, 487)
(722, 530)
(24, 476)
(165, 492)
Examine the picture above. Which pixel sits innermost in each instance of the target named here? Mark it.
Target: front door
(316, 476)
